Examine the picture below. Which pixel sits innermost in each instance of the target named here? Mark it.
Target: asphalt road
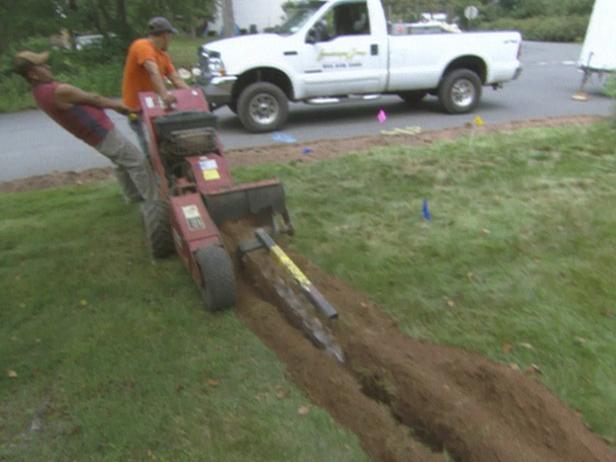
(33, 145)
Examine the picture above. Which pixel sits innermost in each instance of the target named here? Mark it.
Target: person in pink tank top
(82, 114)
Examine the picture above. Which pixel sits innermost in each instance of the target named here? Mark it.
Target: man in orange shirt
(146, 68)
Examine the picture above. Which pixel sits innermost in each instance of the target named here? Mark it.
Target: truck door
(341, 56)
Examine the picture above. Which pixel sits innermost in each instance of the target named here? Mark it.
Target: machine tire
(262, 107)
(155, 219)
(413, 97)
(217, 276)
(233, 106)
(460, 91)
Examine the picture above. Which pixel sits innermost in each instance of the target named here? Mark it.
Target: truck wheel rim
(264, 109)
(463, 93)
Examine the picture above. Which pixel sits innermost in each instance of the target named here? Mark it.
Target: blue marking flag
(284, 138)
(425, 210)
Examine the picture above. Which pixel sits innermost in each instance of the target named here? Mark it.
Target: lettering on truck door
(344, 58)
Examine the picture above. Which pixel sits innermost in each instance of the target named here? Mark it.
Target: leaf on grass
(213, 382)
(534, 369)
(514, 366)
(451, 303)
(608, 440)
(485, 231)
(22, 305)
(303, 410)
(506, 347)
(83, 302)
(607, 313)
(179, 388)
(11, 374)
(281, 393)
(580, 340)
(527, 345)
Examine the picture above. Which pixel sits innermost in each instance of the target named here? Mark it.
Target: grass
(183, 50)
(131, 366)
(516, 264)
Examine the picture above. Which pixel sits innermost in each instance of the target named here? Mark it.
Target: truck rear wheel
(262, 107)
(217, 276)
(460, 91)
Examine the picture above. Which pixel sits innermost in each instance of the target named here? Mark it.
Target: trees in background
(21, 19)
(410, 9)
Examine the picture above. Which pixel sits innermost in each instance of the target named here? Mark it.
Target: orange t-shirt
(136, 77)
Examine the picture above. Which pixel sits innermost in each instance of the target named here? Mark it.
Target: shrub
(15, 94)
(610, 86)
(95, 68)
(105, 79)
(549, 29)
(610, 90)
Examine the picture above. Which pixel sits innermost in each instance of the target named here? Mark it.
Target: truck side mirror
(313, 36)
(318, 33)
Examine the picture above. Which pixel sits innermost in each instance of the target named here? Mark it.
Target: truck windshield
(297, 16)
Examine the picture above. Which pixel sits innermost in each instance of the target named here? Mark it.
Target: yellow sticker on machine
(284, 259)
(212, 174)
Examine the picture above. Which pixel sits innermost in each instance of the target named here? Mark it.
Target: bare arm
(177, 81)
(67, 95)
(157, 82)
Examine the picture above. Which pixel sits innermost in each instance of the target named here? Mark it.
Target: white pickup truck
(337, 48)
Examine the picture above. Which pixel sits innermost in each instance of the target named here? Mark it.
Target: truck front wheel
(460, 91)
(262, 107)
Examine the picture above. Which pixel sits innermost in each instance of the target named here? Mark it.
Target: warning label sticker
(209, 175)
(208, 164)
(193, 217)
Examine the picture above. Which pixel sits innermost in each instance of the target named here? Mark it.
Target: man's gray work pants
(133, 170)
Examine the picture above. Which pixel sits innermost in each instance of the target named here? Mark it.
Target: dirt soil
(322, 149)
(405, 400)
(408, 400)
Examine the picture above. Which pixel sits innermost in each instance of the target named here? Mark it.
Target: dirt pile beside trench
(407, 400)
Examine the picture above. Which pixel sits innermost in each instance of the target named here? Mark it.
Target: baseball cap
(159, 25)
(24, 60)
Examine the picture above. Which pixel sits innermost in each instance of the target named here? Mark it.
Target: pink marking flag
(381, 117)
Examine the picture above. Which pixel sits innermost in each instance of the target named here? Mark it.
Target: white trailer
(599, 50)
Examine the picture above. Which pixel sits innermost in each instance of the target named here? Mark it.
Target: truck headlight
(216, 66)
(211, 63)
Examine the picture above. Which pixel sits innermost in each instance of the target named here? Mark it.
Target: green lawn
(518, 263)
(120, 360)
(183, 50)
(121, 350)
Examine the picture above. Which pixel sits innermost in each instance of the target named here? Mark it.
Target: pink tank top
(88, 123)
